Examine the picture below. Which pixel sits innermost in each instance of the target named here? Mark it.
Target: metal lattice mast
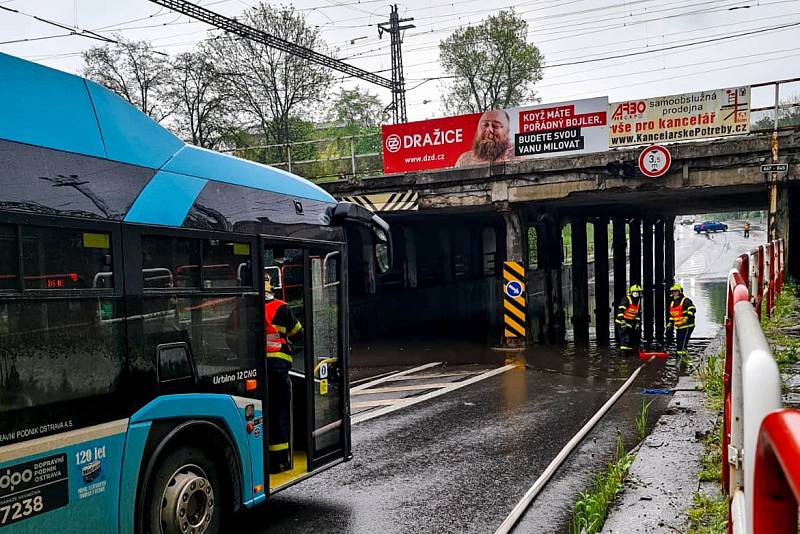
(242, 30)
(394, 29)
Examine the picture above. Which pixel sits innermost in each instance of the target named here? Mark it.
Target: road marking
(399, 373)
(376, 402)
(360, 418)
(373, 377)
(398, 389)
(437, 375)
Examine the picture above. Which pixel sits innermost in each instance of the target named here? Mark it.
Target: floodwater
(461, 461)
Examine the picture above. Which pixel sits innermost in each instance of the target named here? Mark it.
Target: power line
(242, 30)
(89, 34)
(650, 51)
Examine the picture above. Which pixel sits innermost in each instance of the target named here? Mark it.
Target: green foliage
(493, 65)
(641, 419)
(787, 116)
(785, 348)
(533, 250)
(270, 87)
(355, 111)
(710, 372)
(590, 511)
(708, 515)
(711, 462)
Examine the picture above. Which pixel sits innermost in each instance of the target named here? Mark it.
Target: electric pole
(393, 28)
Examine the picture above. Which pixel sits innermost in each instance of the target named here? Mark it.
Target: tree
(357, 110)
(493, 65)
(788, 115)
(268, 85)
(196, 92)
(132, 69)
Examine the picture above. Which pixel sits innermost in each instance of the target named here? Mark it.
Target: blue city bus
(133, 382)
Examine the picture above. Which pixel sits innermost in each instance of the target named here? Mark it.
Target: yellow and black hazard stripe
(515, 309)
(401, 201)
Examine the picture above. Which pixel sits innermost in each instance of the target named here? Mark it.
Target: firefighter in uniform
(681, 319)
(281, 328)
(628, 321)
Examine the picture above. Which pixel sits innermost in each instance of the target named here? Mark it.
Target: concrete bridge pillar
(620, 260)
(580, 280)
(635, 251)
(515, 245)
(658, 289)
(601, 306)
(410, 266)
(669, 254)
(551, 260)
(647, 279)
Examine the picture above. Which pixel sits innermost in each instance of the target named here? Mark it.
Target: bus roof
(49, 108)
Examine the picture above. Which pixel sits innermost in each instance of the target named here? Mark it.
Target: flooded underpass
(459, 461)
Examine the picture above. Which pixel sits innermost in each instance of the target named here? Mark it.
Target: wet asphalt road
(460, 462)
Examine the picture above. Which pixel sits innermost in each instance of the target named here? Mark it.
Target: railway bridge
(454, 228)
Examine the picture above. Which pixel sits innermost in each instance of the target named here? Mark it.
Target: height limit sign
(654, 161)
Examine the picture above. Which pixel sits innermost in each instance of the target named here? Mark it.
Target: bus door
(305, 404)
(329, 397)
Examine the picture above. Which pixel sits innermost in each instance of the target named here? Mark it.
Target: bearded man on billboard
(492, 141)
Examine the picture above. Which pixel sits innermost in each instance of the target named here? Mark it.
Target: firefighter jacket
(629, 312)
(681, 313)
(281, 326)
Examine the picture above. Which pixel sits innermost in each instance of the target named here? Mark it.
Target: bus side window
(9, 258)
(66, 258)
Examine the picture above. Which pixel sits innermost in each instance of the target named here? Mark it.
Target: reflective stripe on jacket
(628, 311)
(277, 345)
(681, 313)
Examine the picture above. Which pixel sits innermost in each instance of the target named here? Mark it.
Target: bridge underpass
(447, 280)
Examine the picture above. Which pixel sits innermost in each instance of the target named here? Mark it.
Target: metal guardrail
(757, 447)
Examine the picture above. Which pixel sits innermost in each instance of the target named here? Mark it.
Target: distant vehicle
(710, 226)
(687, 220)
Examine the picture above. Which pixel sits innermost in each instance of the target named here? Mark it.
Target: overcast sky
(746, 42)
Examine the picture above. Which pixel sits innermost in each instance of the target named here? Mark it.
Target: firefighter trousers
(682, 336)
(279, 399)
(627, 336)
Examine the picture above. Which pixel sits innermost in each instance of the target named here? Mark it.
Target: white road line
(438, 375)
(367, 379)
(377, 402)
(398, 389)
(360, 418)
(399, 373)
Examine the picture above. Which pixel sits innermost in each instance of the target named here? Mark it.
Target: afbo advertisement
(680, 117)
(514, 134)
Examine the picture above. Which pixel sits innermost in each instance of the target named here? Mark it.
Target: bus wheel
(183, 495)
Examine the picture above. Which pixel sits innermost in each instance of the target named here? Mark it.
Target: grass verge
(591, 509)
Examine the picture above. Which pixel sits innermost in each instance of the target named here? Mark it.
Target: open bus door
(307, 290)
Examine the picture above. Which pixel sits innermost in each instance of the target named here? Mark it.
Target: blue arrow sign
(514, 289)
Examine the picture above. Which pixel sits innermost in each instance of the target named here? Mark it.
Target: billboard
(576, 127)
(683, 117)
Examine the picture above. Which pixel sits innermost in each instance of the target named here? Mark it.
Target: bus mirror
(382, 259)
(349, 212)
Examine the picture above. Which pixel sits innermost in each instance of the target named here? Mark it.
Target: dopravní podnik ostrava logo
(32, 488)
